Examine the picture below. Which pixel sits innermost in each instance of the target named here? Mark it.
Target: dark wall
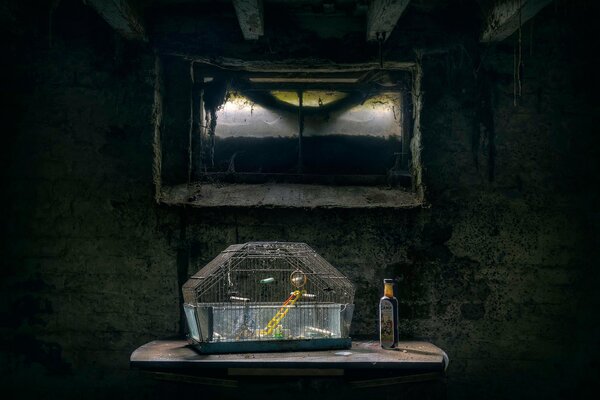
(88, 261)
(498, 270)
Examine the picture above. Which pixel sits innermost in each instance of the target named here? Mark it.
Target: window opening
(297, 131)
(225, 136)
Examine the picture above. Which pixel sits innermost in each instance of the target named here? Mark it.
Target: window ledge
(288, 196)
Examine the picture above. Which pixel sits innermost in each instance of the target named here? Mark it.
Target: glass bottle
(388, 316)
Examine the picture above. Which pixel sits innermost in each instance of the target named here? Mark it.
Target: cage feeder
(268, 296)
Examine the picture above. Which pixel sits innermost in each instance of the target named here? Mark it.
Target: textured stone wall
(498, 272)
(88, 262)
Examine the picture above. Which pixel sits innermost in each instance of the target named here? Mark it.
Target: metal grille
(269, 290)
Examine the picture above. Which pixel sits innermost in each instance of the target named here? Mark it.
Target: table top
(174, 354)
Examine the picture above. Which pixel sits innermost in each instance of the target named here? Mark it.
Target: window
(352, 139)
(297, 134)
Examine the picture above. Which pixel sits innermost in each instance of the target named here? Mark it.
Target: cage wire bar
(268, 296)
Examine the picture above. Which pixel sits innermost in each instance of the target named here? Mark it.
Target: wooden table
(337, 372)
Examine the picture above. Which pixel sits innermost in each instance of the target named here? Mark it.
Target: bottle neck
(388, 290)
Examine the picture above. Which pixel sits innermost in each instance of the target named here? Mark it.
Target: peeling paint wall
(501, 274)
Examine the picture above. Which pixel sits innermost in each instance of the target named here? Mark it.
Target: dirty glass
(338, 137)
(252, 138)
(359, 139)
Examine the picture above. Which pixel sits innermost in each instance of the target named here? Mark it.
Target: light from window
(358, 139)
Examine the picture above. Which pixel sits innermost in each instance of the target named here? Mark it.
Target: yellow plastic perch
(295, 296)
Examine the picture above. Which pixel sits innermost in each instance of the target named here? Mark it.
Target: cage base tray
(259, 346)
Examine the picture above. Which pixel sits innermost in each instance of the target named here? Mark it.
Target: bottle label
(386, 324)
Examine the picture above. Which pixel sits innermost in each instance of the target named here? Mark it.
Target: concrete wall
(88, 260)
(500, 273)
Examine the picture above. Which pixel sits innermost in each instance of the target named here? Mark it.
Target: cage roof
(270, 255)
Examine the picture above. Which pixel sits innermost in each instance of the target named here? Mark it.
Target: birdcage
(268, 296)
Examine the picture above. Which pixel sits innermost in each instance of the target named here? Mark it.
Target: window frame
(295, 190)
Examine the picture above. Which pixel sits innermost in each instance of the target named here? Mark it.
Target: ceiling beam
(122, 16)
(503, 19)
(250, 18)
(292, 66)
(382, 17)
(344, 87)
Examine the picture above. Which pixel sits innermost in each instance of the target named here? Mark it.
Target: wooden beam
(122, 16)
(291, 66)
(344, 87)
(504, 18)
(382, 17)
(250, 18)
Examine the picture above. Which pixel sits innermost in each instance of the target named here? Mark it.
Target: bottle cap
(388, 281)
